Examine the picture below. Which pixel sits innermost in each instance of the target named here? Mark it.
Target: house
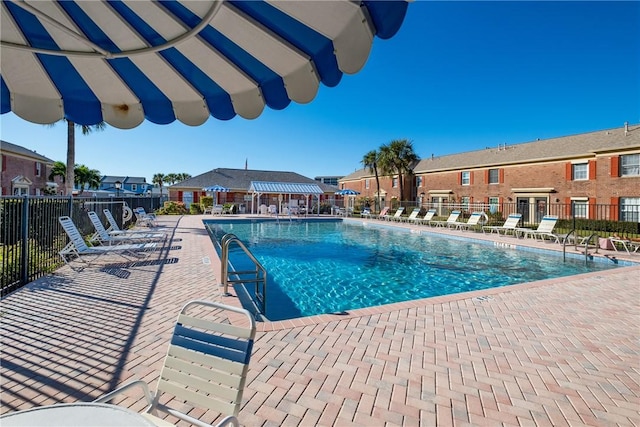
(244, 190)
(25, 172)
(582, 172)
(125, 185)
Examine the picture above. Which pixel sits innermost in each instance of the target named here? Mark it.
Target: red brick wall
(13, 166)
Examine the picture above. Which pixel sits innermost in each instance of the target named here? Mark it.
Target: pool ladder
(584, 241)
(258, 276)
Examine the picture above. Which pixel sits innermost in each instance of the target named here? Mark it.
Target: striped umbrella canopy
(347, 192)
(215, 189)
(125, 61)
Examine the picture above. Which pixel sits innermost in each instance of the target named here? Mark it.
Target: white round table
(76, 415)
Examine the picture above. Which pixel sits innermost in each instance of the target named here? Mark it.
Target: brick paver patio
(555, 352)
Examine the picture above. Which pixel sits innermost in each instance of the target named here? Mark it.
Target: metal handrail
(260, 272)
(564, 243)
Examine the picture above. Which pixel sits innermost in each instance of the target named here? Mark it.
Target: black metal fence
(31, 236)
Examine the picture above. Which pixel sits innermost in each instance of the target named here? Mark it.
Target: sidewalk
(555, 352)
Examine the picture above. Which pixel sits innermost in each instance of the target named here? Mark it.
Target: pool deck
(554, 352)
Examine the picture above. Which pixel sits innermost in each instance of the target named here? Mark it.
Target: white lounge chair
(396, 216)
(427, 217)
(114, 228)
(544, 230)
(412, 216)
(206, 365)
(101, 236)
(450, 222)
(509, 225)
(472, 222)
(77, 246)
(629, 245)
(145, 219)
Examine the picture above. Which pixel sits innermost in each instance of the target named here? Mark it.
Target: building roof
(239, 180)
(285, 188)
(567, 147)
(124, 179)
(21, 151)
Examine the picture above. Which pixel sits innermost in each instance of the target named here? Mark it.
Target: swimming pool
(324, 266)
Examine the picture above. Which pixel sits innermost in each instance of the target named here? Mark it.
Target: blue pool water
(317, 267)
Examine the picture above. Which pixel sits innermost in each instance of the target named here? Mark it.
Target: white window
(630, 165)
(418, 181)
(395, 182)
(630, 209)
(580, 208)
(580, 171)
(494, 176)
(464, 205)
(38, 169)
(366, 183)
(466, 178)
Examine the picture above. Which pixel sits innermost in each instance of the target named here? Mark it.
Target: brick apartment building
(25, 172)
(578, 171)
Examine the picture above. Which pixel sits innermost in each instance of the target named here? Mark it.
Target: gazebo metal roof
(284, 188)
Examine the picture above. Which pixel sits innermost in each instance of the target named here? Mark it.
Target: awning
(264, 187)
(122, 62)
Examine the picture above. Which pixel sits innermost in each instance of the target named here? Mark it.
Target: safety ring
(484, 218)
(127, 214)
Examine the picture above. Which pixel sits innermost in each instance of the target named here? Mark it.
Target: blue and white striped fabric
(124, 61)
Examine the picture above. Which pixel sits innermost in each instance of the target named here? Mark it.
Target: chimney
(626, 128)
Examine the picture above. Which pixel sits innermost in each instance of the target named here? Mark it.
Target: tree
(159, 180)
(58, 169)
(69, 179)
(86, 177)
(397, 157)
(370, 161)
(171, 178)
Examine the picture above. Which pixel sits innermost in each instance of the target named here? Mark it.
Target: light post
(118, 186)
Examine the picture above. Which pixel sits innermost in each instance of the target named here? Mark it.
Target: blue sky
(458, 76)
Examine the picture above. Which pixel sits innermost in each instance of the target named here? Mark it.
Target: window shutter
(179, 196)
(486, 176)
(569, 169)
(614, 211)
(592, 170)
(486, 201)
(471, 177)
(501, 176)
(592, 208)
(567, 202)
(35, 169)
(460, 178)
(4, 163)
(615, 166)
(196, 197)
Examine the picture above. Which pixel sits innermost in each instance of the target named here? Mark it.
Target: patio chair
(396, 216)
(630, 246)
(273, 210)
(366, 213)
(145, 219)
(544, 230)
(383, 213)
(412, 216)
(472, 222)
(427, 217)
(450, 222)
(509, 225)
(77, 246)
(217, 209)
(206, 364)
(115, 230)
(101, 236)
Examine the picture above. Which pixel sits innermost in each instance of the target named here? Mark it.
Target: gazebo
(284, 190)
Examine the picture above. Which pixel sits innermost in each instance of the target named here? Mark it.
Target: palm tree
(159, 180)
(171, 178)
(397, 157)
(370, 161)
(58, 169)
(69, 178)
(86, 177)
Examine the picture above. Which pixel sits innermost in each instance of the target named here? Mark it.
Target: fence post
(71, 206)
(24, 273)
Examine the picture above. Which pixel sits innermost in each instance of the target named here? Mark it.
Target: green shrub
(195, 209)
(173, 208)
